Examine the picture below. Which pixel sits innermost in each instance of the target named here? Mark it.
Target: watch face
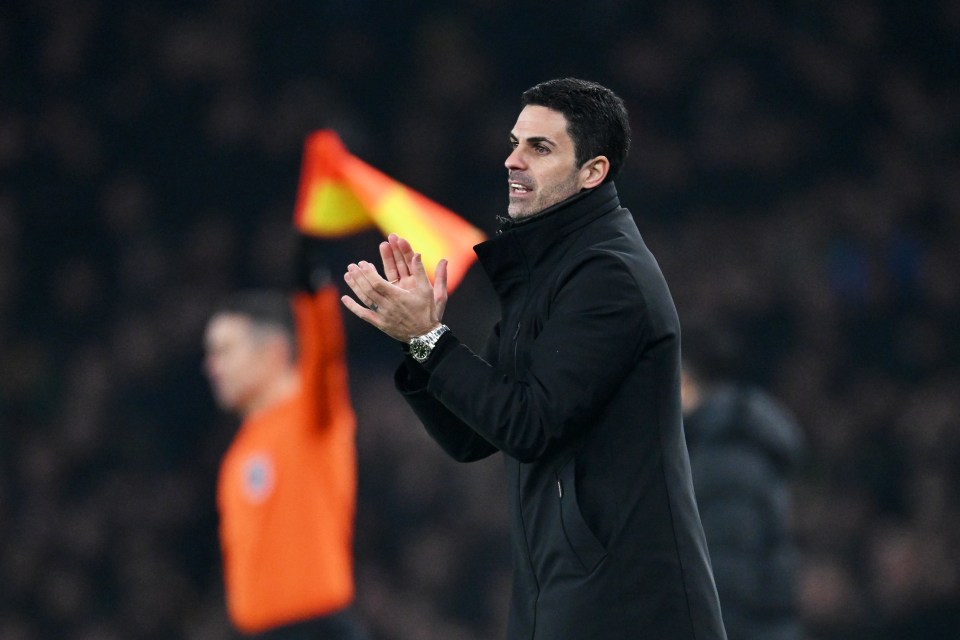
(419, 350)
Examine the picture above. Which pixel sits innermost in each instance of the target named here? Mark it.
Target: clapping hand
(402, 303)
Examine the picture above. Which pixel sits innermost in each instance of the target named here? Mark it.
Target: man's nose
(515, 160)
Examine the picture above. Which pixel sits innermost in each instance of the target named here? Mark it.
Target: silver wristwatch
(422, 346)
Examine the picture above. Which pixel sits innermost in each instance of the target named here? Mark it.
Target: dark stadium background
(795, 169)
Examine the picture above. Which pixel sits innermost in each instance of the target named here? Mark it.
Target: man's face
(235, 362)
(542, 168)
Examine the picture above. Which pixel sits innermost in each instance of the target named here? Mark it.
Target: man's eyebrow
(534, 140)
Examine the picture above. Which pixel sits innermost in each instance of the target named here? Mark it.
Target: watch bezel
(419, 349)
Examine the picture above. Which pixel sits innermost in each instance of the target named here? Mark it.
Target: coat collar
(521, 246)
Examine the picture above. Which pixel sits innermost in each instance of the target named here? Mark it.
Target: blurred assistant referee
(287, 485)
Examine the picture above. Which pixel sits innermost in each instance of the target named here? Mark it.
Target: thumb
(440, 287)
(419, 272)
(440, 278)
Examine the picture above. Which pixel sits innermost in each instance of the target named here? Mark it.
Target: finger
(375, 292)
(376, 284)
(403, 268)
(367, 273)
(360, 311)
(357, 281)
(390, 265)
(440, 275)
(419, 271)
(406, 251)
(440, 295)
(358, 277)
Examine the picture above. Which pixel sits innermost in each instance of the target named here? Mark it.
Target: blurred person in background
(287, 486)
(578, 386)
(744, 449)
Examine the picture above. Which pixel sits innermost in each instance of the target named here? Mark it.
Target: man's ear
(594, 171)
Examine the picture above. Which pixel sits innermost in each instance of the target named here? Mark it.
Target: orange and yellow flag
(340, 194)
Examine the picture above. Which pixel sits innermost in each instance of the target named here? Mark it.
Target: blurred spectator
(745, 449)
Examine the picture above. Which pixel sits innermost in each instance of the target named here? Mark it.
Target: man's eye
(541, 149)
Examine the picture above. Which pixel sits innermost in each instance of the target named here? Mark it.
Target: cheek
(558, 183)
(558, 174)
(230, 371)
(240, 370)
(234, 385)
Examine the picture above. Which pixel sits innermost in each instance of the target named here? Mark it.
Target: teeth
(518, 188)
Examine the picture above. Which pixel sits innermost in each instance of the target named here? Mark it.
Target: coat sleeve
(453, 435)
(593, 335)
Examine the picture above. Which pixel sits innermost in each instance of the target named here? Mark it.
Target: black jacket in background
(579, 388)
(743, 448)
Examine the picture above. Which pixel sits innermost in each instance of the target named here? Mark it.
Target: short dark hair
(266, 309)
(597, 120)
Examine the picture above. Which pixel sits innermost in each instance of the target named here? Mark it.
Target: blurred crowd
(795, 170)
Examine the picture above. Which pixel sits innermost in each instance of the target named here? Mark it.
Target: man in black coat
(578, 386)
(745, 448)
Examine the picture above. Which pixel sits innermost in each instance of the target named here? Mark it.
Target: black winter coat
(579, 388)
(744, 448)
